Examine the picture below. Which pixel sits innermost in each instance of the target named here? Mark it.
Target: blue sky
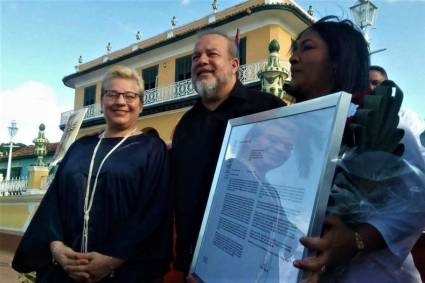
(41, 41)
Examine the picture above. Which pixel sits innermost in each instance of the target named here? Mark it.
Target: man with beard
(198, 136)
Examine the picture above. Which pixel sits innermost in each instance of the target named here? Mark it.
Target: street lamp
(12, 132)
(364, 12)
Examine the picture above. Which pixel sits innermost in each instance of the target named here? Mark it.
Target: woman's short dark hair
(348, 52)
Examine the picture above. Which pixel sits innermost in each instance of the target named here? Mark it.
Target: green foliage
(374, 126)
(371, 162)
(27, 277)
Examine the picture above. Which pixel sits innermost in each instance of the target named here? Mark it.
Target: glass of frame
(69, 135)
(270, 187)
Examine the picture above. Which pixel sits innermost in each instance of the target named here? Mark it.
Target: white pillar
(9, 161)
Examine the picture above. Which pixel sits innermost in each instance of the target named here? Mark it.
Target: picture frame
(271, 187)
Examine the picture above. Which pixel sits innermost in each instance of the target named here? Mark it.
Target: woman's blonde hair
(123, 72)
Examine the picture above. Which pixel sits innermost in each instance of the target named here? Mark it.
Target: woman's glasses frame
(113, 95)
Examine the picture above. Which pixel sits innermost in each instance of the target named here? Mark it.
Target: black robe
(130, 218)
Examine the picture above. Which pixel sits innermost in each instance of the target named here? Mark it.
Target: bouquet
(371, 177)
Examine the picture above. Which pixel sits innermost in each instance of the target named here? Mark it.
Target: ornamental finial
(310, 10)
(40, 149)
(173, 22)
(274, 46)
(109, 47)
(215, 6)
(274, 74)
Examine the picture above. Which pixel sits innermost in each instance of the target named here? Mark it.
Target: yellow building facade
(171, 94)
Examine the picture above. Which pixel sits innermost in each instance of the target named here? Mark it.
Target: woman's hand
(67, 257)
(336, 246)
(98, 267)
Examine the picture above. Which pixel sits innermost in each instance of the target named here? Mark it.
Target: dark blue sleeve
(33, 252)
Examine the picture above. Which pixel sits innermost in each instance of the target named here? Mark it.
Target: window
(149, 76)
(242, 51)
(15, 172)
(183, 66)
(89, 95)
(3, 172)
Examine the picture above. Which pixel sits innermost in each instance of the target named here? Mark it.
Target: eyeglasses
(114, 95)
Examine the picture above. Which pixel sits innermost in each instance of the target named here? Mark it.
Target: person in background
(327, 57)
(106, 217)
(409, 119)
(198, 135)
(377, 75)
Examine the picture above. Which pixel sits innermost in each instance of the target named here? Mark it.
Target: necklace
(88, 200)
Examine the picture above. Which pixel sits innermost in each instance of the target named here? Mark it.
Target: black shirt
(196, 145)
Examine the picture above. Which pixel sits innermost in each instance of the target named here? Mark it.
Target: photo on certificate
(270, 187)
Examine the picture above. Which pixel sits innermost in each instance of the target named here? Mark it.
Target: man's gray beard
(205, 89)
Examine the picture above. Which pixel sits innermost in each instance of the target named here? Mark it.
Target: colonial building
(164, 61)
(23, 158)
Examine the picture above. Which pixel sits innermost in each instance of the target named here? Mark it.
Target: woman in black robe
(117, 227)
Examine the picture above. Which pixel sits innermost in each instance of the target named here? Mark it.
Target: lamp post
(12, 132)
(364, 14)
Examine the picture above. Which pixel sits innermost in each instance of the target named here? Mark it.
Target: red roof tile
(28, 151)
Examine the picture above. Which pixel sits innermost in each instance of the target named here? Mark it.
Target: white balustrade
(248, 73)
(175, 91)
(13, 187)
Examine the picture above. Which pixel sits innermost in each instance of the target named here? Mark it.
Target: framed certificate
(270, 187)
(69, 135)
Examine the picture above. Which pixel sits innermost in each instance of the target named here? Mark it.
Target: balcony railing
(20, 187)
(172, 92)
(13, 187)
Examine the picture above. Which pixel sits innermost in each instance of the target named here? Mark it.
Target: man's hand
(67, 257)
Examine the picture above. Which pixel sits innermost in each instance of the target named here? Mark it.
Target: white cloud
(30, 104)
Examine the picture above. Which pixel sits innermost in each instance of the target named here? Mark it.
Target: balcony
(170, 93)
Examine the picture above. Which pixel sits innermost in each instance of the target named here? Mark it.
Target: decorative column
(273, 76)
(40, 149)
(39, 171)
